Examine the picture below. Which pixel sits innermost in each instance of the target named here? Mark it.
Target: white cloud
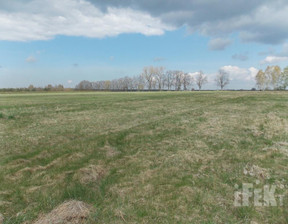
(237, 73)
(253, 72)
(263, 21)
(219, 44)
(44, 19)
(69, 81)
(30, 59)
(274, 59)
(266, 22)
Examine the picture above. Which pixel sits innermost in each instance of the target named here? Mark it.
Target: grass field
(143, 157)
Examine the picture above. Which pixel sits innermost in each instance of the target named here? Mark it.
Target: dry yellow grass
(70, 212)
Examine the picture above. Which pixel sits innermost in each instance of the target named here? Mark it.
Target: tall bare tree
(178, 79)
(169, 77)
(148, 75)
(159, 76)
(107, 85)
(187, 81)
(83, 85)
(201, 79)
(222, 79)
(139, 82)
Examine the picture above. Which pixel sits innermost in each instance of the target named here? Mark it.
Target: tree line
(33, 88)
(156, 78)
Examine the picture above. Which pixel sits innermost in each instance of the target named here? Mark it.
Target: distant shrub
(1, 115)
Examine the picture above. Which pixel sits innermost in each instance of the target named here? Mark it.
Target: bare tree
(139, 82)
(169, 77)
(201, 80)
(222, 79)
(115, 84)
(107, 85)
(187, 81)
(158, 73)
(129, 83)
(178, 79)
(148, 75)
(124, 83)
(83, 85)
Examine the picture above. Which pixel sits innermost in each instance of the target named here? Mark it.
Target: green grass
(163, 157)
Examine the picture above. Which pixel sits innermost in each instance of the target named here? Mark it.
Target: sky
(63, 42)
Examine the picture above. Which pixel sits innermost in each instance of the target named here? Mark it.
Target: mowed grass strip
(163, 157)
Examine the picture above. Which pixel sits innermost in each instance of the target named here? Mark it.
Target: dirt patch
(72, 212)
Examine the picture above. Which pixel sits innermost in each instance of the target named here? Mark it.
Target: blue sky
(73, 40)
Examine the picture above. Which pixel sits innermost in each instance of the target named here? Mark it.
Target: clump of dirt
(90, 174)
(73, 212)
(256, 171)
